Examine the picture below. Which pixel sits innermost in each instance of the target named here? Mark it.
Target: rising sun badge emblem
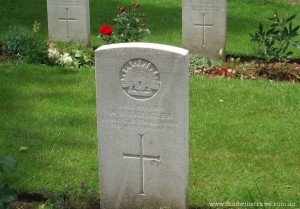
(140, 79)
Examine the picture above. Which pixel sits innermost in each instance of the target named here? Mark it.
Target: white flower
(65, 59)
(53, 53)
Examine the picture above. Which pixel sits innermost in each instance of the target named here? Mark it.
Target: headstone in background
(142, 111)
(204, 27)
(69, 20)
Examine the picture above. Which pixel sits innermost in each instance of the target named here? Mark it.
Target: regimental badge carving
(140, 79)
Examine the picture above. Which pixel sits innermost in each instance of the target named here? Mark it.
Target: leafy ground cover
(243, 134)
(250, 69)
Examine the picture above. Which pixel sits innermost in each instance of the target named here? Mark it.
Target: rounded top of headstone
(140, 45)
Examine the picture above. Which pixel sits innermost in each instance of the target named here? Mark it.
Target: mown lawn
(243, 134)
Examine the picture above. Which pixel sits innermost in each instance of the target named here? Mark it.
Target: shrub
(273, 43)
(24, 44)
(84, 199)
(128, 26)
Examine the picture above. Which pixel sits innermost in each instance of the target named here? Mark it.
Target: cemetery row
(203, 24)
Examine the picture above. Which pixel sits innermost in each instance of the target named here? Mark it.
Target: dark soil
(3, 58)
(25, 204)
(28, 201)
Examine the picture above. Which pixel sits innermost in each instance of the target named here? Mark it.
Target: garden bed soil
(28, 201)
(3, 58)
(24, 204)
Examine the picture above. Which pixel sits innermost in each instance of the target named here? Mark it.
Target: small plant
(128, 26)
(85, 199)
(293, 75)
(25, 44)
(199, 65)
(70, 54)
(273, 44)
(7, 164)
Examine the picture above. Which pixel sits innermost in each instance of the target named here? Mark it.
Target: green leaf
(78, 53)
(295, 29)
(270, 31)
(283, 21)
(290, 18)
(261, 28)
(296, 75)
(145, 31)
(285, 32)
(291, 27)
(7, 164)
(6, 194)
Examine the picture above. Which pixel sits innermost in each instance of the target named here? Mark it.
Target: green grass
(242, 134)
(163, 19)
(52, 112)
(250, 138)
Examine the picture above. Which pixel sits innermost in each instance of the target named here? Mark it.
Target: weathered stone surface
(204, 27)
(142, 111)
(69, 20)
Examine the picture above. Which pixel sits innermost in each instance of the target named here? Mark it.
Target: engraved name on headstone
(204, 27)
(142, 111)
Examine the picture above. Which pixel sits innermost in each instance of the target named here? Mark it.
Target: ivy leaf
(144, 31)
(6, 194)
(7, 164)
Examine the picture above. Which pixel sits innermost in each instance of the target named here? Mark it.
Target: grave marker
(142, 111)
(204, 27)
(69, 20)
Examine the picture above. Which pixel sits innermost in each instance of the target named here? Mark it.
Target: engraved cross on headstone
(142, 159)
(67, 19)
(203, 25)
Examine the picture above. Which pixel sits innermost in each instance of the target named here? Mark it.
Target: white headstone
(204, 27)
(142, 111)
(69, 20)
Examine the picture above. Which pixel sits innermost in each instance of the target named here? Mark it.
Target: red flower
(122, 9)
(105, 30)
(223, 72)
(137, 5)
